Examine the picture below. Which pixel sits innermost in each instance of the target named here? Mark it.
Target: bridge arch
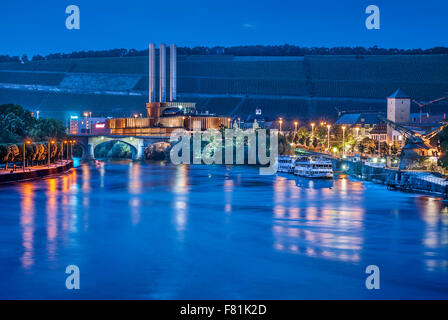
(136, 144)
(157, 150)
(84, 148)
(134, 150)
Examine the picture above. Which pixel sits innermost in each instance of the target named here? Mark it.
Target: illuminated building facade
(163, 117)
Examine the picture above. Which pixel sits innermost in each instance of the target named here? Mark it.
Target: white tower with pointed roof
(399, 111)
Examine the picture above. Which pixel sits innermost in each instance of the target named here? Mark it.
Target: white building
(398, 111)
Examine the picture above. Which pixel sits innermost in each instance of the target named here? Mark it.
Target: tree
(12, 154)
(46, 129)
(367, 145)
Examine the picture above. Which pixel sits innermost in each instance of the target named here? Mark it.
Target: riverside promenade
(34, 172)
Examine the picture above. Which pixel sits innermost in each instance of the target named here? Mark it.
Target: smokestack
(152, 73)
(173, 72)
(162, 58)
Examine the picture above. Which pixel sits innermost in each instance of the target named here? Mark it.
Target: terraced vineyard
(304, 87)
(49, 79)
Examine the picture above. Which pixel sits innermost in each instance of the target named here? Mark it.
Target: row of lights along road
(50, 143)
(296, 123)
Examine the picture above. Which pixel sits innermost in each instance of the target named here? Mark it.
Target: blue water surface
(158, 231)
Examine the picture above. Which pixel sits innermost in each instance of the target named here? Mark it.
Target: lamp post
(141, 123)
(295, 126)
(64, 142)
(71, 148)
(90, 122)
(23, 162)
(135, 124)
(71, 151)
(24, 153)
(328, 136)
(379, 146)
(343, 140)
(312, 130)
(49, 152)
(85, 120)
(280, 121)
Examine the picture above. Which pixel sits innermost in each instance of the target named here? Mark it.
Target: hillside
(292, 87)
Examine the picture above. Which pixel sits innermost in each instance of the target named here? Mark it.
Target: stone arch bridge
(138, 145)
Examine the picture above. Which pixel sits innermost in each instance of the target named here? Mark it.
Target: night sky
(38, 27)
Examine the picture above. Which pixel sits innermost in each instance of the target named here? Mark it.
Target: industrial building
(163, 116)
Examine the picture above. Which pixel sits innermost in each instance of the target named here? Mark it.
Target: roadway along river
(155, 231)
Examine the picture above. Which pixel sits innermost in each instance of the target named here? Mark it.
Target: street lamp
(328, 136)
(49, 151)
(69, 143)
(135, 124)
(141, 123)
(295, 126)
(343, 140)
(312, 130)
(71, 148)
(379, 146)
(65, 142)
(280, 121)
(85, 119)
(24, 153)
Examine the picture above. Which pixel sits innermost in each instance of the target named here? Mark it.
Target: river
(158, 231)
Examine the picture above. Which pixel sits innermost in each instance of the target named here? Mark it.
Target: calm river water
(156, 231)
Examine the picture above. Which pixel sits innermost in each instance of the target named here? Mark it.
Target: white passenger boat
(311, 167)
(286, 163)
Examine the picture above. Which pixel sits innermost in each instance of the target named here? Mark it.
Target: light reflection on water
(320, 229)
(27, 224)
(217, 223)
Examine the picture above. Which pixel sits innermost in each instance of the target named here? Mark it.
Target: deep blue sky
(39, 26)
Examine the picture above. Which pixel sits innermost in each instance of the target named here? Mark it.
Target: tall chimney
(173, 72)
(162, 58)
(152, 73)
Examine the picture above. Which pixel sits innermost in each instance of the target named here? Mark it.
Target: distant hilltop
(300, 87)
(253, 50)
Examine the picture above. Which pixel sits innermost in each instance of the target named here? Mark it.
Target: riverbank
(395, 179)
(35, 172)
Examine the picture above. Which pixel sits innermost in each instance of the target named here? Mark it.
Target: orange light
(28, 142)
(85, 114)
